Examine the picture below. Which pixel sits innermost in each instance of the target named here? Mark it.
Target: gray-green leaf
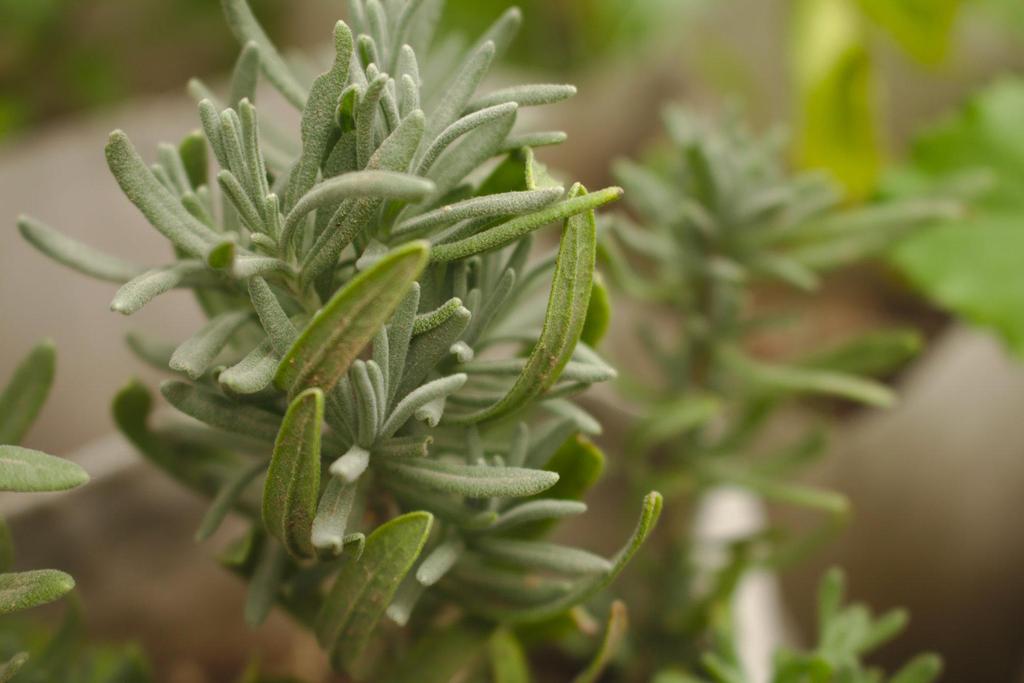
(26, 470)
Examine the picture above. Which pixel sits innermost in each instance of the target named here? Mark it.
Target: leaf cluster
(376, 387)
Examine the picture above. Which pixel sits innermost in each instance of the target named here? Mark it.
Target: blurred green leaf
(23, 397)
(922, 27)
(972, 267)
(836, 93)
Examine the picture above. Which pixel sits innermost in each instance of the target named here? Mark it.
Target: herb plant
(28, 471)
(718, 216)
(376, 389)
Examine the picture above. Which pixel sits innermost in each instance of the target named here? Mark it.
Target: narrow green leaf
(226, 498)
(614, 635)
(246, 74)
(599, 314)
(221, 412)
(275, 321)
(265, 584)
(252, 374)
(673, 419)
(418, 399)
(22, 469)
(506, 233)
(23, 590)
(331, 521)
(489, 206)
(379, 184)
(135, 294)
(538, 555)
(293, 479)
(336, 335)
(463, 86)
(456, 130)
(470, 152)
(363, 589)
(355, 216)
(77, 255)
(538, 510)
(157, 204)
(565, 317)
(473, 481)
(23, 396)
(525, 96)
(318, 125)
(794, 379)
(197, 353)
(6, 547)
(247, 29)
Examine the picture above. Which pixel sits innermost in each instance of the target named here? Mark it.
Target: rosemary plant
(376, 388)
(26, 470)
(718, 216)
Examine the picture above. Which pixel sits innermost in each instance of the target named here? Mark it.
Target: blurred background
(885, 94)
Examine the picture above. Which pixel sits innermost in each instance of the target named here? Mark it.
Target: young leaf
(525, 96)
(473, 481)
(363, 588)
(135, 294)
(23, 397)
(336, 335)
(318, 117)
(293, 479)
(538, 510)
(331, 521)
(22, 590)
(25, 470)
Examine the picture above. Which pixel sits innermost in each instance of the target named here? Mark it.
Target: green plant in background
(845, 635)
(717, 216)
(967, 266)
(28, 471)
(377, 388)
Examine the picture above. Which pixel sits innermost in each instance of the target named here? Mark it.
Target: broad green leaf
(155, 201)
(364, 588)
(508, 661)
(443, 654)
(611, 642)
(77, 255)
(23, 396)
(473, 481)
(293, 479)
(835, 81)
(564, 320)
(318, 117)
(247, 29)
(969, 266)
(346, 324)
(22, 590)
(22, 469)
